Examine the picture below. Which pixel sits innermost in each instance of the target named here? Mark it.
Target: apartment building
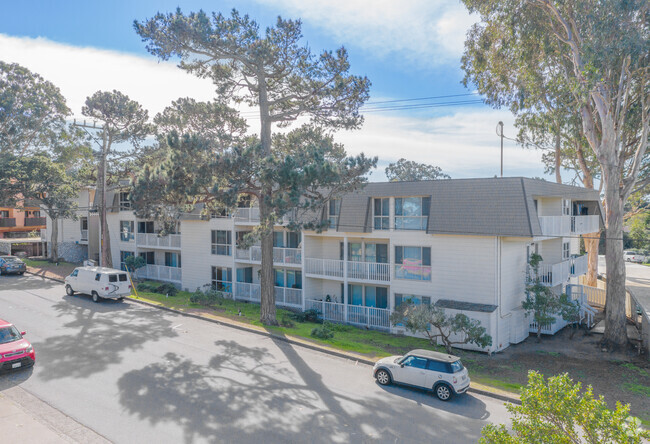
(17, 227)
(461, 244)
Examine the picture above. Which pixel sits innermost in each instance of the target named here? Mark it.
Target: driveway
(139, 374)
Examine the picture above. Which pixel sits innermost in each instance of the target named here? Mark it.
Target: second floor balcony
(153, 240)
(161, 273)
(281, 256)
(252, 216)
(35, 222)
(362, 271)
(569, 225)
(7, 222)
(552, 274)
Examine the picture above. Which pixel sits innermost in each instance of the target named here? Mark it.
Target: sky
(409, 50)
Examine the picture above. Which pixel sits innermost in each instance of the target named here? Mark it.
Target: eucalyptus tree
(600, 55)
(408, 170)
(283, 80)
(32, 110)
(120, 136)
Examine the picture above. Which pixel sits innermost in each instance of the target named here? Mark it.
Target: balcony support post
(345, 278)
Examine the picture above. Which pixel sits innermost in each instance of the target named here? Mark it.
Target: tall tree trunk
(591, 246)
(104, 241)
(558, 155)
(267, 291)
(54, 237)
(615, 323)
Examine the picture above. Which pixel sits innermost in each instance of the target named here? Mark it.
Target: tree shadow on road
(100, 334)
(244, 394)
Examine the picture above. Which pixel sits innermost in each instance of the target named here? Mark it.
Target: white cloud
(425, 32)
(463, 144)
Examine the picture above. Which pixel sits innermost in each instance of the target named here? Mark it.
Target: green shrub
(148, 287)
(337, 327)
(306, 316)
(285, 321)
(322, 332)
(208, 298)
(167, 289)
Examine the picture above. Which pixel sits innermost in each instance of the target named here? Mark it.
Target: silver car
(443, 374)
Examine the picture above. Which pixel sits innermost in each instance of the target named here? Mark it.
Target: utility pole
(101, 171)
(500, 133)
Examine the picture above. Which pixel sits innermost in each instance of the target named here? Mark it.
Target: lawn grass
(40, 263)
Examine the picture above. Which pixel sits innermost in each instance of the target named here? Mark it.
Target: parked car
(443, 374)
(15, 351)
(98, 282)
(634, 256)
(12, 264)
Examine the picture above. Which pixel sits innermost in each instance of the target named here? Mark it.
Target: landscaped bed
(621, 376)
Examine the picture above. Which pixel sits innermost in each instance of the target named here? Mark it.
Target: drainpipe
(497, 285)
(345, 278)
(302, 268)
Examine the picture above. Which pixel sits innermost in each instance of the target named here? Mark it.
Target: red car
(15, 351)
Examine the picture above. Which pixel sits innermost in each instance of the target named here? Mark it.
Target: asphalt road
(138, 374)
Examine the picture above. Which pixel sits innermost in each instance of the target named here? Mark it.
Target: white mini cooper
(442, 373)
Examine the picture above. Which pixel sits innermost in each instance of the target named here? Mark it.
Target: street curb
(45, 277)
(305, 344)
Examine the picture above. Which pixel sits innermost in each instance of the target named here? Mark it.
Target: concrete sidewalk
(26, 419)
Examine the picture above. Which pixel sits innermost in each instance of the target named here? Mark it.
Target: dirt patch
(621, 376)
(52, 270)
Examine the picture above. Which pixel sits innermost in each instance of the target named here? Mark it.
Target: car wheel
(95, 296)
(383, 377)
(120, 299)
(69, 291)
(21, 273)
(443, 392)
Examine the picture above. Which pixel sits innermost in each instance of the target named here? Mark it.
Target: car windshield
(9, 334)
(12, 259)
(456, 366)
(398, 359)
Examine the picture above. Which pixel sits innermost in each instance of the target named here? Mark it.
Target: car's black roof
(429, 354)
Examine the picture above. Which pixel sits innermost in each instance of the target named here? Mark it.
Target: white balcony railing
(252, 215)
(160, 273)
(367, 271)
(153, 240)
(281, 256)
(568, 225)
(556, 274)
(352, 314)
(290, 297)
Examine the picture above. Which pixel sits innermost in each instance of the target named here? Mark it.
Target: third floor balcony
(569, 225)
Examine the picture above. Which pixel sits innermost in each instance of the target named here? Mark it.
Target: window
(125, 201)
(415, 361)
(112, 278)
(98, 277)
(411, 299)
(172, 259)
(84, 223)
(123, 256)
(438, 366)
(74, 273)
(381, 217)
(126, 230)
(293, 239)
(221, 242)
(278, 239)
(293, 279)
(566, 247)
(411, 213)
(145, 227)
(220, 214)
(244, 202)
(368, 296)
(333, 213)
(245, 275)
(239, 237)
(413, 263)
(4, 213)
(34, 213)
(148, 257)
(222, 279)
(355, 252)
(377, 253)
(566, 207)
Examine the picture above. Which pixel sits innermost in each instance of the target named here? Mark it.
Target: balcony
(370, 317)
(161, 273)
(362, 271)
(153, 240)
(288, 297)
(7, 222)
(569, 225)
(556, 274)
(35, 222)
(252, 216)
(281, 256)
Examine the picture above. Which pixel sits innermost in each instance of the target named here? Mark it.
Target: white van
(99, 282)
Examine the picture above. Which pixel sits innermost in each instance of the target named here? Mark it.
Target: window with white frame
(367, 296)
(126, 230)
(411, 213)
(334, 211)
(123, 256)
(381, 214)
(125, 202)
(145, 227)
(566, 207)
(149, 257)
(172, 259)
(401, 298)
(222, 279)
(221, 242)
(413, 263)
(566, 248)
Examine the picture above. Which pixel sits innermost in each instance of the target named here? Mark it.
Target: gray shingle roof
(492, 206)
(465, 306)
